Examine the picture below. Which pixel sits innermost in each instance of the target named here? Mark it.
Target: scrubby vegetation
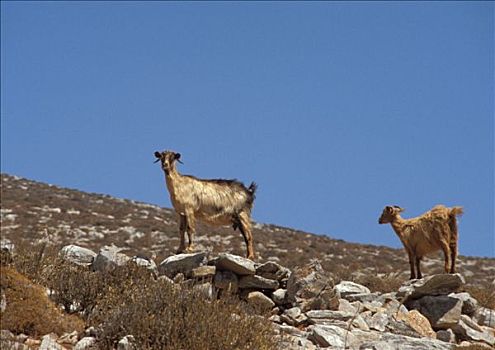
(29, 310)
(127, 300)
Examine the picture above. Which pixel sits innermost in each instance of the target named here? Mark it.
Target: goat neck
(172, 176)
(398, 225)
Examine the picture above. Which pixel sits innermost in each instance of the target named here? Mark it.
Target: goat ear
(399, 208)
(389, 209)
(158, 154)
(177, 156)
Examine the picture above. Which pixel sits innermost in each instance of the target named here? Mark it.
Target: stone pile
(308, 310)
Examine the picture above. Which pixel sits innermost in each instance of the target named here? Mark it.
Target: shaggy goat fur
(434, 230)
(216, 202)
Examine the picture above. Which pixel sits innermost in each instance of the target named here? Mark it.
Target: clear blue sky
(334, 109)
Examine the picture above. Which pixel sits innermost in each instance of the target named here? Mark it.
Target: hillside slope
(32, 212)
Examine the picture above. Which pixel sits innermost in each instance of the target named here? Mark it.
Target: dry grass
(29, 310)
(484, 294)
(130, 300)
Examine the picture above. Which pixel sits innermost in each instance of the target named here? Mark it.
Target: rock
(181, 263)
(336, 318)
(273, 271)
(257, 282)
(389, 341)
(293, 316)
(226, 280)
(364, 297)
(485, 317)
(6, 335)
(147, 263)
(290, 330)
(345, 288)
(3, 302)
(469, 304)
(49, 342)
(77, 255)
(108, 258)
(433, 285)
(203, 272)
(127, 343)
(379, 321)
(346, 306)
(86, 343)
(329, 314)
(91, 332)
(237, 264)
(68, 338)
(331, 336)
(446, 335)
(260, 301)
(466, 329)
(311, 288)
(401, 328)
(279, 296)
(442, 311)
(293, 342)
(419, 323)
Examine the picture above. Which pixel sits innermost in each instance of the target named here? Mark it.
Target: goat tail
(252, 188)
(455, 211)
(251, 192)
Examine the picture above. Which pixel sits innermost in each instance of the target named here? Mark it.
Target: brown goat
(216, 202)
(434, 230)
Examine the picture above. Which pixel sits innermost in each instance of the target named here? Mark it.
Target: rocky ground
(33, 212)
(308, 310)
(303, 283)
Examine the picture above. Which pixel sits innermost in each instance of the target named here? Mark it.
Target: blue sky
(334, 109)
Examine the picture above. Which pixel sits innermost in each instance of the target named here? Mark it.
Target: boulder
(279, 296)
(237, 264)
(203, 272)
(86, 343)
(145, 262)
(364, 297)
(467, 329)
(485, 317)
(181, 263)
(260, 301)
(442, 311)
(311, 288)
(49, 342)
(346, 306)
(389, 341)
(330, 336)
(345, 288)
(378, 321)
(469, 304)
(293, 316)
(273, 271)
(418, 322)
(446, 335)
(433, 285)
(77, 255)
(257, 282)
(108, 258)
(127, 343)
